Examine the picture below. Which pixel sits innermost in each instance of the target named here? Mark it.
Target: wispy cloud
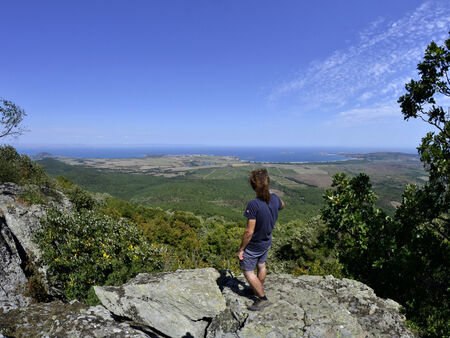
(371, 114)
(362, 82)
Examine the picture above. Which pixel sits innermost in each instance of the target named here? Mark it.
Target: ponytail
(259, 180)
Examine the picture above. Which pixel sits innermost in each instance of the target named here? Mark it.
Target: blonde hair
(259, 180)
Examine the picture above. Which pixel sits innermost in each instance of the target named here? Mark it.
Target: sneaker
(259, 304)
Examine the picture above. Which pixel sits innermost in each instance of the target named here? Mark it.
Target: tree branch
(435, 227)
(434, 124)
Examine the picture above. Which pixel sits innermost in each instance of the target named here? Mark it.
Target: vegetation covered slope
(225, 191)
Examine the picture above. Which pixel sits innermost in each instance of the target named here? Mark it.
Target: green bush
(404, 257)
(32, 194)
(298, 248)
(221, 244)
(20, 169)
(88, 248)
(81, 198)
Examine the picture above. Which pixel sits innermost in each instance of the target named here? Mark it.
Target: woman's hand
(240, 254)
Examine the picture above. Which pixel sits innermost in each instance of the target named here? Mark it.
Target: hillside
(221, 188)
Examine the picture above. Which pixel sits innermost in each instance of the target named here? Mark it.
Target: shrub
(81, 198)
(88, 248)
(32, 195)
(298, 248)
(20, 169)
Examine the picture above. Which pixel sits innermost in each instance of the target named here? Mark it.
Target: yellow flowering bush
(89, 248)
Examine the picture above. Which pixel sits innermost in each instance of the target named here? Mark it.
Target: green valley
(217, 186)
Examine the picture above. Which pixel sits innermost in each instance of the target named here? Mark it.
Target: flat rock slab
(308, 306)
(178, 304)
(57, 319)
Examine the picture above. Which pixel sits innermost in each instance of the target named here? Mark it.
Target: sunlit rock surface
(310, 306)
(57, 319)
(176, 304)
(189, 303)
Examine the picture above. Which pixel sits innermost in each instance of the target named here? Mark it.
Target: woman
(261, 213)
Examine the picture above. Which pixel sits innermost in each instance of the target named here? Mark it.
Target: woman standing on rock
(261, 213)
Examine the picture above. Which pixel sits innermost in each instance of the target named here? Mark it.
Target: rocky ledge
(204, 302)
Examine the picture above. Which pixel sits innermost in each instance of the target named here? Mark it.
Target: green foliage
(405, 257)
(64, 182)
(420, 102)
(298, 248)
(222, 242)
(191, 240)
(361, 233)
(226, 197)
(36, 287)
(20, 169)
(11, 116)
(424, 214)
(80, 198)
(88, 248)
(32, 194)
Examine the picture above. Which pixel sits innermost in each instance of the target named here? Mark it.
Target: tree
(11, 118)
(420, 102)
(404, 257)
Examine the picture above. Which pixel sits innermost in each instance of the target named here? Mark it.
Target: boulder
(177, 304)
(23, 220)
(18, 224)
(189, 303)
(309, 306)
(57, 319)
(12, 277)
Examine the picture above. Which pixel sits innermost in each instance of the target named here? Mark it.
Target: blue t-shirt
(266, 215)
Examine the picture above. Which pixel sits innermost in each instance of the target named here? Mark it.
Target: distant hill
(384, 156)
(41, 156)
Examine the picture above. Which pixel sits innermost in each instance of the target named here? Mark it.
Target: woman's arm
(246, 238)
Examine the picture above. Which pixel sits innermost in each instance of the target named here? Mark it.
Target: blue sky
(278, 73)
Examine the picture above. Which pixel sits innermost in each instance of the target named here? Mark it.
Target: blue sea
(251, 154)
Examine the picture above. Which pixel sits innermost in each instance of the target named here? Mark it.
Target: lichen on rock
(176, 304)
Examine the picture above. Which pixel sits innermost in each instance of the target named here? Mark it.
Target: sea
(246, 154)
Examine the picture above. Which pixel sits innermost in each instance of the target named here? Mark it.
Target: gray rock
(12, 277)
(176, 304)
(57, 319)
(24, 220)
(309, 306)
(18, 224)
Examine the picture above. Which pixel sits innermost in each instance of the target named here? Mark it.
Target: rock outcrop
(176, 304)
(18, 224)
(12, 276)
(57, 319)
(312, 306)
(24, 220)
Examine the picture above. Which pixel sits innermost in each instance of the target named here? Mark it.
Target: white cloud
(370, 73)
(365, 115)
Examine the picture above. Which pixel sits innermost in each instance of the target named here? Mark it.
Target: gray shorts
(252, 258)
